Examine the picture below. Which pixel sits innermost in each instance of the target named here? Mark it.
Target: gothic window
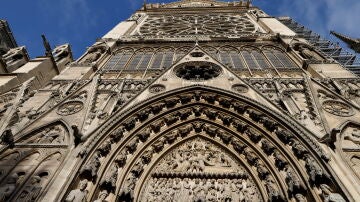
(163, 59)
(250, 60)
(181, 52)
(229, 56)
(140, 60)
(278, 59)
(211, 51)
(118, 61)
(260, 59)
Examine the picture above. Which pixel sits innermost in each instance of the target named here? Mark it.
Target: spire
(352, 43)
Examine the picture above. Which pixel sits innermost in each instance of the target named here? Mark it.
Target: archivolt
(269, 145)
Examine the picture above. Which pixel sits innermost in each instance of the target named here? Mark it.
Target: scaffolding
(330, 50)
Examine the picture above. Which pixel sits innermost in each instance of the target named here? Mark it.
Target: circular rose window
(197, 71)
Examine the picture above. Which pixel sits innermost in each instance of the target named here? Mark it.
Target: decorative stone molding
(338, 108)
(157, 88)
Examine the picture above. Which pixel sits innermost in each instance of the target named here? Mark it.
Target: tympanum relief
(199, 171)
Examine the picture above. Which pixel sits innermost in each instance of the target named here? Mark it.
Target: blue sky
(81, 22)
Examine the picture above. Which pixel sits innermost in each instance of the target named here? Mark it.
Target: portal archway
(278, 157)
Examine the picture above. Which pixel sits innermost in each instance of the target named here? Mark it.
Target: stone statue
(111, 177)
(300, 198)
(93, 54)
(91, 168)
(273, 190)
(314, 169)
(102, 196)
(10, 186)
(292, 180)
(328, 195)
(78, 195)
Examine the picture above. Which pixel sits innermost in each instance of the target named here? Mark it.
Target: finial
(196, 42)
(46, 45)
(144, 5)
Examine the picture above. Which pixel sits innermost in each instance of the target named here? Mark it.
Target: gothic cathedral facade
(196, 100)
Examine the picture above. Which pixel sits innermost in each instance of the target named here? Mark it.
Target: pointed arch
(268, 142)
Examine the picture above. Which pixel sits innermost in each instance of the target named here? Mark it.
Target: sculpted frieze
(193, 167)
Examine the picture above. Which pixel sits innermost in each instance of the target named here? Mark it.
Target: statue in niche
(328, 195)
(102, 196)
(314, 169)
(91, 168)
(32, 191)
(292, 180)
(78, 195)
(93, 54)
(272, 189)
(300, 198)
(111, 177)
(10, 186)
(127, 192)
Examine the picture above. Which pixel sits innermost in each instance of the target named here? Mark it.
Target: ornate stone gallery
(195, 100)
(190, 24)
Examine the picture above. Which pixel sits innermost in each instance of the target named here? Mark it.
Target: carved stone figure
(93, 54)
(315, 171)
(132, 145)
(90, 169)
(328, 195)
(262, 170)
(293, 182)
(102, 196)
(78, 195)
(300, 198)
(298, 149)
(110, 179)
(272, 189)
(284, 135)
(10, 186)
(280, 160)
(121, 158)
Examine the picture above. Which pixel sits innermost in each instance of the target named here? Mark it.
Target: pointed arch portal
(202, 144)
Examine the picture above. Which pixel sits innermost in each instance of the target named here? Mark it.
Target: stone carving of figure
(292, 180)
(227, 191)
(273, 190)
(102, 196)
(111, 177)
(91, 168)
(121, 158)
(328, 195)
(32, 191)
(300, 198)
(93, 55)
(127, 192)
(186, 191)
(7, 189)
(78, 195)
(314, 169)
(199, 191)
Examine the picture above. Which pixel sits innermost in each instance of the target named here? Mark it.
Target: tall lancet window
(140, 60)
(278, 58)
(119, 60)
(163, 58)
